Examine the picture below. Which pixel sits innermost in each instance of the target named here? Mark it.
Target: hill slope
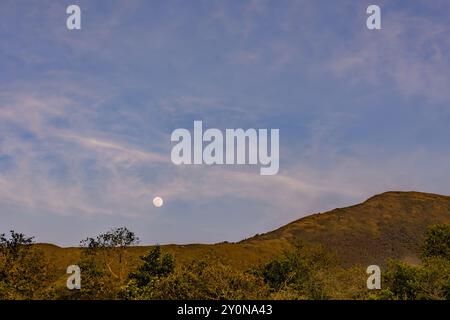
(390, 225)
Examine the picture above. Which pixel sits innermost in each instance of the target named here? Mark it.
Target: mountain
(389, 225)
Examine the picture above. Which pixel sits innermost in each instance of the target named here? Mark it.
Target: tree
(431, 279)
(401, 281)
(206, 280)
(23, 268)
(300, 273)
(104, 265)
(276, 273)
(111, 247)
(155, 265)
(14, 247)
(437, 242)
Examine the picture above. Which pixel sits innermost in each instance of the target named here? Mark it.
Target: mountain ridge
(386, 226)
(393, 221)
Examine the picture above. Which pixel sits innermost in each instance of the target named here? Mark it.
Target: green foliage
(303, 272)
(401, 281)
(15, 246)
(103, 264)
(207, 280)
(429, 281)
(437, 242)
(299, 273)
(115, 238)
(155, 265)
(111, 249)
(276, 273)
(23, 269)
(97, 284)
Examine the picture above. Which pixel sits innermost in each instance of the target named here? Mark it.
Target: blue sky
(86, 116)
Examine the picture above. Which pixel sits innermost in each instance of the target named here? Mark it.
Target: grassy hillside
(390, 225)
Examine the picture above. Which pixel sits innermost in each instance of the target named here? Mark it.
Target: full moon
(158, 202)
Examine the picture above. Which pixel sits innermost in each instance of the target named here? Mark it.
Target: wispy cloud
(408, 52)
(86, 117)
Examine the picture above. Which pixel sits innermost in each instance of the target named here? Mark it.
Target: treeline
(305, 272)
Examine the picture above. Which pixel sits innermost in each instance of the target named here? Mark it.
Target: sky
(86, 115)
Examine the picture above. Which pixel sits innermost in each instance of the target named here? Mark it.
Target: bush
(430, 281)
(24, 271)
(155, 265)
(300, 273)
(437, 242)
(205, 280)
